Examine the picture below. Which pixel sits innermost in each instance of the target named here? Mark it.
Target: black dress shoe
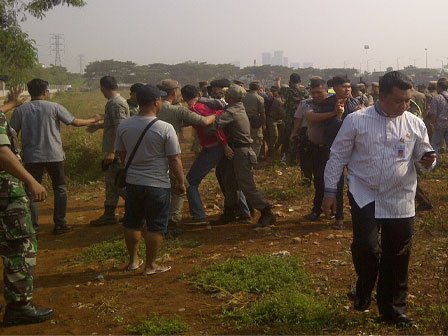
(312, 216)
(62, 229)
(26, 313)
(399, 319)
(360, 304)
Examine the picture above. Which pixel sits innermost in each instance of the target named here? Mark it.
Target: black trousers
(319, 157)
(304, 150)
(388, 261)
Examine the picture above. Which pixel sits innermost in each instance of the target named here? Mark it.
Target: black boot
(25, 312)
(267, 218)
(227, 217)
(108, 218)
(62, 229)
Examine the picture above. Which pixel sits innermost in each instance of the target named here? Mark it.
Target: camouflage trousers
(18, 247)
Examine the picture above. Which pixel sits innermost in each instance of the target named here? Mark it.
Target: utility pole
(81, 63)
(57, 45)
(426, 58)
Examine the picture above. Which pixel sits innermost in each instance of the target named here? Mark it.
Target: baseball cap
(236, 92)
(148, 93)
(221, 83)
(168, 84)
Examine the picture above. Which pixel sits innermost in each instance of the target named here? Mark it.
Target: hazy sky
(324, 32)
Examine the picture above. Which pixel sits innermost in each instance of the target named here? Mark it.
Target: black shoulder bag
(120, 178)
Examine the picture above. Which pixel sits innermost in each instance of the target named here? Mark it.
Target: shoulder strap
(446, 98)
(138, 144)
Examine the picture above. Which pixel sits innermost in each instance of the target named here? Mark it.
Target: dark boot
(62, 229)
(227, 217)
(25, 312)
(267, 218)
(108, 218)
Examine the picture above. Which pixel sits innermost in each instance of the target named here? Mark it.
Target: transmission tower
(81, 63)
(57, 44)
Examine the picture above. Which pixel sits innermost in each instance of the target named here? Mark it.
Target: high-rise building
(294, 65)
(266, 58)
(307, 64)
(285, 61)
(278, 57)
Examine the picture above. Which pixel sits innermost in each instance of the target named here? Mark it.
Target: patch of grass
(158, 325)
(288, 312)
(254, 274)
(279, 193)
(116, 249)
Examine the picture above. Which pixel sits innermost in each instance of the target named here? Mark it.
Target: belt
(239, 145)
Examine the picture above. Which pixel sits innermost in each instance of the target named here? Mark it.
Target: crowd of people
(378, 134)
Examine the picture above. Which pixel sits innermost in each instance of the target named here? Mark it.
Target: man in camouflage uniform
(18, 243)
(293, 95)
(116, 111)
(132, 101)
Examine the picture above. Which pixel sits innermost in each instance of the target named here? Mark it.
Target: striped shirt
(380, 153)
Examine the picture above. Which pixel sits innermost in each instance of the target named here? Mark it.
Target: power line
(57, 45)
(81, 63)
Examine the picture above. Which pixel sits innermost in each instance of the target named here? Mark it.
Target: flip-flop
(140, 263)
(159, 270)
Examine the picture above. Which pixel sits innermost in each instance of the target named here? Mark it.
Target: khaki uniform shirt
(420, 99)
(254, 104)
(277, 111)
(179, 116)
(235, 123)
(117, 110)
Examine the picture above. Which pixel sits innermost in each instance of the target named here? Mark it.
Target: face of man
(319, 94)
(375, 89)
(343, 90)
(396, 102)
(133, 97)
(217, 92)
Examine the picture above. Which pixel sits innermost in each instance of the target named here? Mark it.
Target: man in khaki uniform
(254, 105)
(237, 170)
(274, 121)
(178, 116)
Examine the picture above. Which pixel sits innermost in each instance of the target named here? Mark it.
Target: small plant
(196, 253)
(158, 325)
(254, 274)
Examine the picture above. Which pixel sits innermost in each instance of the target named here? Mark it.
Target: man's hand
(427, 161)
(92, 128)
(180, 189)
(339, 108)
(98, 117)
(329, 205)
(228, 152)
(14, 96)
(109, 158)
(38, 191)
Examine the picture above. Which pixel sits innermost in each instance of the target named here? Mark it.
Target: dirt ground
(100, 298)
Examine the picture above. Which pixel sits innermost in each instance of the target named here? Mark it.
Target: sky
(327, 33)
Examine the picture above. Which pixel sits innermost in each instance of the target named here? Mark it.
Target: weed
(196, 253)
(254, 274)
(158, 325)
(288, 312)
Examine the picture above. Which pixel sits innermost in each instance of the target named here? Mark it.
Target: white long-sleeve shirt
(380, 153)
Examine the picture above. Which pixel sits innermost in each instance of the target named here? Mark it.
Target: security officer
(237, 170)
(274, 121)
(178, 116)
(254, 106)
(18, 243)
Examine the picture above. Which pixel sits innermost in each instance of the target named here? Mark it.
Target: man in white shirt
(381, 146)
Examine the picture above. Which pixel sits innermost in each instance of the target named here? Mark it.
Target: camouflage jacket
(10, 187)
(293, 95)
(133, 109)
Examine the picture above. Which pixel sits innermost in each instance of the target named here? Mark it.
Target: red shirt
(204, 139)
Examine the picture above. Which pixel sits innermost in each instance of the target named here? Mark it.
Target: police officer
(254, 106)
(237, 170)
(178, 116)
(18, 243)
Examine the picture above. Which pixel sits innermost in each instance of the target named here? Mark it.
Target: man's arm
(110, 156)
(192, 118)
(84, 122)
(421, 147)
(224, 119)
(216, 104)
(13, 99)
(175, 165)
(10, 164)
(312, 116)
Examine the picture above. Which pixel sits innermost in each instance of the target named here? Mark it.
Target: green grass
(116, 249)
(155, 324)
(254, 274)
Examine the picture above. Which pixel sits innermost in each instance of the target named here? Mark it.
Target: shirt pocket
(15, 224)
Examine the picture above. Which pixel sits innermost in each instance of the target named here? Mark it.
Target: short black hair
(254, 86)
(189, 92)
(295, 78)
(340, 79)
(330, 82)
(316, 82)
(394, 79)
(37, 87)
(109, 83)
(135, 87)
(442, 83)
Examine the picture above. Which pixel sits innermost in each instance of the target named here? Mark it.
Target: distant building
(285, 61)
(278, 57)
(266, 58)
(236, 63)
(294, 65)
(307, 64)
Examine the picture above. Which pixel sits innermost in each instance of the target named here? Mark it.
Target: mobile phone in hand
(428, 154)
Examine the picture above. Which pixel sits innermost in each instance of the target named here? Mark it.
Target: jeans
(56, 172)
(207, 159)
(388, 262)
(437, 138)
